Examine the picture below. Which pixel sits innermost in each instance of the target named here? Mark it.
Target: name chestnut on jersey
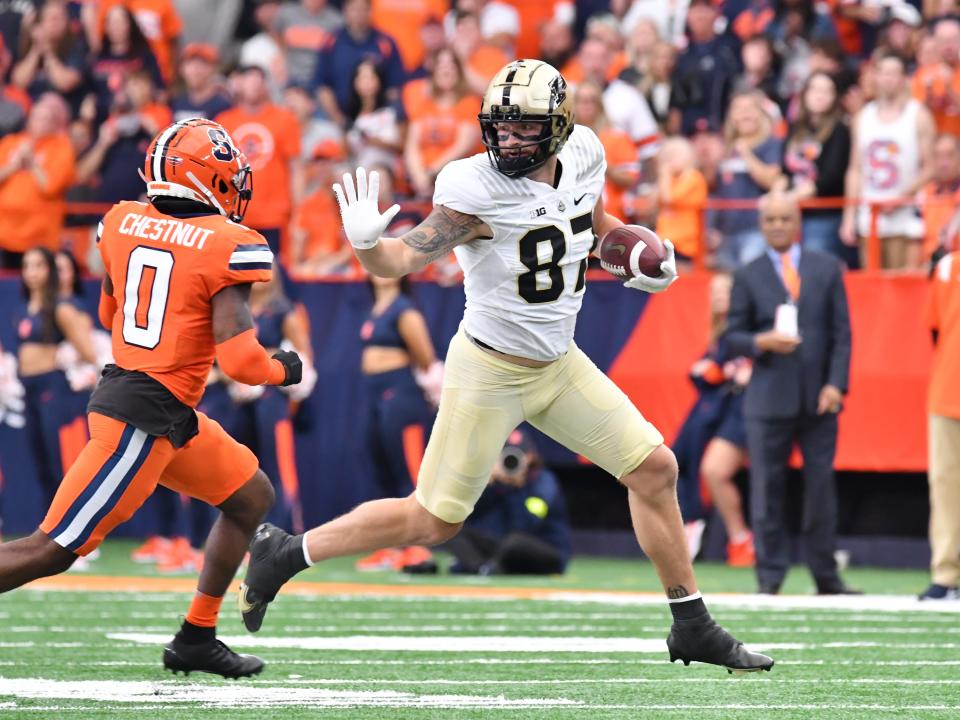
(166, 230)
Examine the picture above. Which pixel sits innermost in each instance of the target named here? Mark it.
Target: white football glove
(668, 268)
(362, 221)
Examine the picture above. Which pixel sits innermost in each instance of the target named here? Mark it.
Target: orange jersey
(938, 205)
(621, 153)
(533, 14)
(165, 272)
(270, 138)
(319, 216)
(160, 23)
(681, 219)
(402, 19)
(487, 60)
(31, 214)
(938, 87)
(573, 71)
(159, 114)
(439, 125)
(943, 315)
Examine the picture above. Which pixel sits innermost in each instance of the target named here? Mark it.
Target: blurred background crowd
(702, 106)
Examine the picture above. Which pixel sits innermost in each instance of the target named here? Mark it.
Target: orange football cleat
(385, 559)
(180, 558)
(742, 553)
(151, 550)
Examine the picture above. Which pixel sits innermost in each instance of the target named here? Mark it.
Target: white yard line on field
(491, 643)
(888, 603)
(259, 695)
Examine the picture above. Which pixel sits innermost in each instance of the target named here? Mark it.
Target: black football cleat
(211, 656)
(705, 641)
(265, 575)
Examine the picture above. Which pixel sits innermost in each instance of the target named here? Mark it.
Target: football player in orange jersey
(175, 296)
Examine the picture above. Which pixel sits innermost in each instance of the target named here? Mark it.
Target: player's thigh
(212, 466)
(114, 474)
(479, 407)
(591, 416)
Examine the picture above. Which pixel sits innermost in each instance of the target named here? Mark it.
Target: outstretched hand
(362, 221)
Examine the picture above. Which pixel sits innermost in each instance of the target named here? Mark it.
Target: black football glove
(293, 366)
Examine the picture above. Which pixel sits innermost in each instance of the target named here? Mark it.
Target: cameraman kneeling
(520, 524)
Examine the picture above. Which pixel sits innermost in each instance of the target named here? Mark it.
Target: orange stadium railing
(641, 207)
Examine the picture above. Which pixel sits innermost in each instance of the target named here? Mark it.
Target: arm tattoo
(231, 312)
(442, 231)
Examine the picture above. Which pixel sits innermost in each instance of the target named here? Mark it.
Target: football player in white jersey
(522, 220)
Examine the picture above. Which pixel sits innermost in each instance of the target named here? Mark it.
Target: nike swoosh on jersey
(577, 201)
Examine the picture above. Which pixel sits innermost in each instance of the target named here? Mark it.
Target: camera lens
(511, 459)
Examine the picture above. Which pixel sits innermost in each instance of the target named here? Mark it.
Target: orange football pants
(120, 467)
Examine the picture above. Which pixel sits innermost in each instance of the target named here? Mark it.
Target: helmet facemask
(243, 182)
(522, 163)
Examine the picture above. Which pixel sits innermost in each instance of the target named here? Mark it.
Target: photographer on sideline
(520, 524)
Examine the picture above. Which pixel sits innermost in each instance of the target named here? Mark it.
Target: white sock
(688, 598)
(306, 552)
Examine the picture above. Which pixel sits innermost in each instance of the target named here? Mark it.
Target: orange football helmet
(197, 160)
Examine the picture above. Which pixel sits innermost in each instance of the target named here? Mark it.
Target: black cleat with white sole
(210, 656)
(275, 557)
(704, 641)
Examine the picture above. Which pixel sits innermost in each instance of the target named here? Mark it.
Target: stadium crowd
(699, 104)
(849, 107)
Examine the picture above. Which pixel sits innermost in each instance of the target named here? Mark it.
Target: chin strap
(168, 189)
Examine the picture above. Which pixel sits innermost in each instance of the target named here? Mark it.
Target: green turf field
(569, 654)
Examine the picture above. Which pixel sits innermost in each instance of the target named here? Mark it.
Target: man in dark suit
(788, 311)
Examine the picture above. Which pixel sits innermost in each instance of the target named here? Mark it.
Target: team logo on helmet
(196, 159)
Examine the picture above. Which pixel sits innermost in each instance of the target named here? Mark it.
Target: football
(631, 250)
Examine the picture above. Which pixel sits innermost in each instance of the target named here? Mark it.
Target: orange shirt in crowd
(533, 14)
(943, 315)
(160, 23)
(680, 219)
(621, 153)
(18, 96)
(848, 30)
(319, 217)
(270, 138)
(487, 60)
(402, 19)
(938, 205)
(573, 72)
(938, 87)
(438, 125)
(753, 21)
(159, 113)
(31, 215)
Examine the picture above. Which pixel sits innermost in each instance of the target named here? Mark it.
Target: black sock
(291, 555)
(692, 609)
(194, 634)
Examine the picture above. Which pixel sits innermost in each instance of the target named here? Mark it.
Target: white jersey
(524, 286)
(889, 152)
